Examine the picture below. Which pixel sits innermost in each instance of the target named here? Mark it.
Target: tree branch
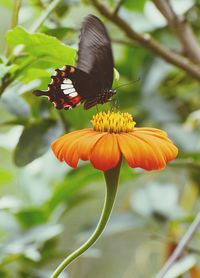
(120, 3)
(119, 41)
(147, 42)
(181, 246)
(181, 28)
(168, 241)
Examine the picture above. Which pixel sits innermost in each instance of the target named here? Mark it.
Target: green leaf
(194, 156)
(17, 121)
(34, 73)
(35, 141)
(7, 4)
(6, 177)
(4, 69)
(127, 173)
(135, 5)
(31, 216)
(58, 32)
(116, 74)
(73, 183)
(41, 46)
(15, 103)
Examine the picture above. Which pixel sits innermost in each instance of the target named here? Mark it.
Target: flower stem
(111, 178)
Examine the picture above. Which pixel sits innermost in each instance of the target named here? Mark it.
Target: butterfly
(90, 81)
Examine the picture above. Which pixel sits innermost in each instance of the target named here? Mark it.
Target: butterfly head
(112, 92)
(106, 95)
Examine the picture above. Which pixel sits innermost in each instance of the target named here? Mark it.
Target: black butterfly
(90, 82)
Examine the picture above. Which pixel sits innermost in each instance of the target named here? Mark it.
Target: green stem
(14, 20)
(40, 21)
(111, 178)
(44, 15)
(15, 15)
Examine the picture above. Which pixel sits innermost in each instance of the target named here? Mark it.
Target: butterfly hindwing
(64, 89)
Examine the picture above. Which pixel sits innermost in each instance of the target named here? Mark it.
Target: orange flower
(114, 135)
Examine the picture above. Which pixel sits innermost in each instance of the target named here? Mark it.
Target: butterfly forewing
(95, 54)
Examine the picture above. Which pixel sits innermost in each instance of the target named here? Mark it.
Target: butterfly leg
(97, 108)
(114, 103)
(90, 103)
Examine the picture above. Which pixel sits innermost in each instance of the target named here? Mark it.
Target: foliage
(46, 209)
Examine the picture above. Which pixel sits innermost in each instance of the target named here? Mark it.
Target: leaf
(73, 183)
(42, 47)
(7, 4)
(17, 121)
(15, 104)
(21, 244)
(127, 174)
(31, 216)
(9, 202)
(35, 141)
(116, 77)
(194, 156)
(34, 73)
(136, 5)
(157, 200)
(40, 52)
(6, 176)
(58, 32)
(4, 69)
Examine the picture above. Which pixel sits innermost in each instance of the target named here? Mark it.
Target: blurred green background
(46, 208)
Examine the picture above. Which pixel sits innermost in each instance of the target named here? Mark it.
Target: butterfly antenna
(126, 84)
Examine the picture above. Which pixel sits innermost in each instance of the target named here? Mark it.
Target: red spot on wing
(66, 105)
(75, 100)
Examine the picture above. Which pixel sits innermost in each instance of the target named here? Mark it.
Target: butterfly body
(90, 81)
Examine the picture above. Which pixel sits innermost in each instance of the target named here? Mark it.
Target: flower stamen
(113, 122)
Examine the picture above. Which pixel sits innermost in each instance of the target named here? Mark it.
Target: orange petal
(138, 153)
(146, 151)
(86, 144)
(168, 149)
(71, 155)
(59, 143)
(150, 130)
(65, 146)
(105, 154)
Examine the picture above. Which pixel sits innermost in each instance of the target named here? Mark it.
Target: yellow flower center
(113, 122)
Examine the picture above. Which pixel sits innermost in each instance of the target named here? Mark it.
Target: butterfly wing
(65, 90)
(95, 55)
